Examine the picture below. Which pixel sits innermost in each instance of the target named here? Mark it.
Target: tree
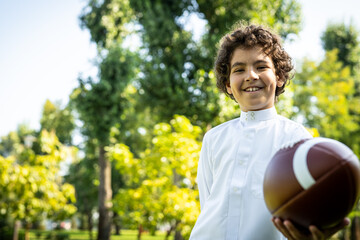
(100, 106)
(346, 40)
(59, 120)
(22, 136)
(161, 187)
(30, 185)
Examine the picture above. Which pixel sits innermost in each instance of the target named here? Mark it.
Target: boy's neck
(259, 115)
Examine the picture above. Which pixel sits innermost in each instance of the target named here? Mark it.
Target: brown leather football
(313, 182)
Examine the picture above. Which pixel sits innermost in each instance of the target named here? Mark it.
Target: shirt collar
(257, 116)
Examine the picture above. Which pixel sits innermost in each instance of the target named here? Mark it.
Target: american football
(312, 182)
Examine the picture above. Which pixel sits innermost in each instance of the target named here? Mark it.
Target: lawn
(84, 235)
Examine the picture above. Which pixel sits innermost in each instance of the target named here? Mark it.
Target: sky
(43, 50)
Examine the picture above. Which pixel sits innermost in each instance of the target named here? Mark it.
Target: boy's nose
(251, 75)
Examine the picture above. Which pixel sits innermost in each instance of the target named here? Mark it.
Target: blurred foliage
(60, 120)
(160, 187)
(15, 140)
(325, 97)
(100, 104)
(346, 40)
(30, 185)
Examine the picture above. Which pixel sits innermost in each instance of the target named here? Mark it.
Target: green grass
(84, 235)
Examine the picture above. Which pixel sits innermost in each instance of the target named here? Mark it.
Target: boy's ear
(279, 82)
(228, 87)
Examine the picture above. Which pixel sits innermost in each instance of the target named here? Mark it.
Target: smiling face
(252, 79)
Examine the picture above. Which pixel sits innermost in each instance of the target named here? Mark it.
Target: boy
(253, 69)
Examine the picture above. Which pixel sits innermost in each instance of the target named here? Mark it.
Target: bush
(7, 234)
(38, 235)
(62, 236)
(58, 236)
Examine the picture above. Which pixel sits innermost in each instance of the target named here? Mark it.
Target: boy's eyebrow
(241, 63)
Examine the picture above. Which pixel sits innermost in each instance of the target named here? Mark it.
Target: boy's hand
(292, 233)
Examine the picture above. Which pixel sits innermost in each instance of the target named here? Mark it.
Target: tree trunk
(140, 230)
(178, 235)
(117, 229)
(16, 230)
(89, 224)
(83, 222)
(355, 228)
(169, 231)
(117, 224)
(105, 196)
(27, 230)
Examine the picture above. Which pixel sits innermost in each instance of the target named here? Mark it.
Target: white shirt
(231, 169)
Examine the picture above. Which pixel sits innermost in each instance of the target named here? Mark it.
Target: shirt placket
(238, 180)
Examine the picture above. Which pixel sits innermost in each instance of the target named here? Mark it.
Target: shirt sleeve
(204, 174)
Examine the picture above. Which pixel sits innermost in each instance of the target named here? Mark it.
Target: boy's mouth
(252, 89)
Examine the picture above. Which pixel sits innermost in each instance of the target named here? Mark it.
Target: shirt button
(252, 116)
(241, 162)
(235, 189)
(249, 134)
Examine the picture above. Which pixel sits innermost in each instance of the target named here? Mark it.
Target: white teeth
(252, 89)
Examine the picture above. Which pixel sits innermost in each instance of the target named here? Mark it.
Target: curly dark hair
(248, 36)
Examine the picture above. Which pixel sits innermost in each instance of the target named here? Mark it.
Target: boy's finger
(280, 226)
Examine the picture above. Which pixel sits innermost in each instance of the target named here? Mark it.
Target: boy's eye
(262, 67)
(239, 70)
